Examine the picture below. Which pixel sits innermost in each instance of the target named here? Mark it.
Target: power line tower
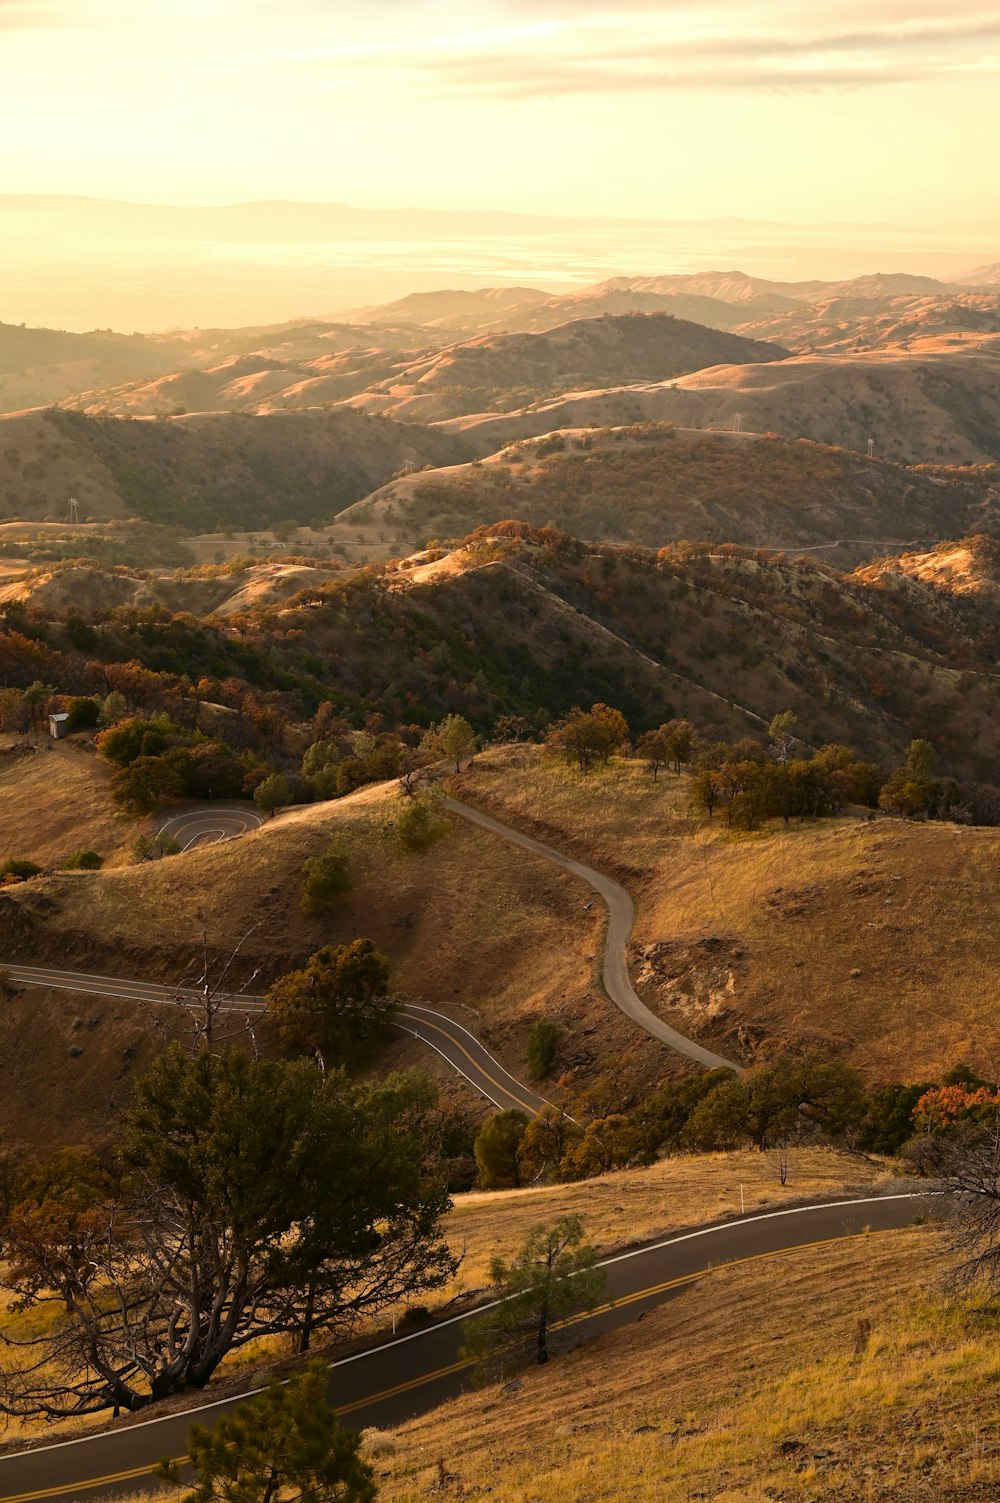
(871, 448)
(738, 423)
(74, 509)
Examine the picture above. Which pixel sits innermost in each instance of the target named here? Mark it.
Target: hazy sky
(856, 109)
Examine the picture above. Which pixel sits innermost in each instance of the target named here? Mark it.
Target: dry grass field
(633, 1205)
(836, 1372)
(877, 939)
(759, 1382)
(56, 799)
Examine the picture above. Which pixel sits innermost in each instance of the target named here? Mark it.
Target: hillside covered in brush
(503, 371)
(212, 470)
(656, 485)
(934, 407)
(527, 622)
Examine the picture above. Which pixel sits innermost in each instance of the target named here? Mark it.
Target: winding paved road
(456, 1045)
(201, 824)
(408, 1375)
(208, 824)
(621, 917)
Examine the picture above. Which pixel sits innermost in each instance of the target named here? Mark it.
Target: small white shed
(59, 725)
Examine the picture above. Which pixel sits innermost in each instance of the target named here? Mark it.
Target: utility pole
(74, 509)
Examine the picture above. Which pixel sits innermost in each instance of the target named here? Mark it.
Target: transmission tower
(74, 509)
(871, 448)
(738, 423)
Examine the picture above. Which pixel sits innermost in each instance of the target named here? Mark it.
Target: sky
(858, 110)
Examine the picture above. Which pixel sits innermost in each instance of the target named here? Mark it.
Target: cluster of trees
(584, 737)
(747, 783)
(781, 1102)
(158, 761)
(769, 777)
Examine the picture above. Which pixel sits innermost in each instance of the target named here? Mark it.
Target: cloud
(613, 57)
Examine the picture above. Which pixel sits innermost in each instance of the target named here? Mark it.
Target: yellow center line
(472, 1061)
(454, 1367)
(129, 1476)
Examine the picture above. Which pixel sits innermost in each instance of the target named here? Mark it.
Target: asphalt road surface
(409, 1375)
(454, 1043)
(208, 823)
(621, 917)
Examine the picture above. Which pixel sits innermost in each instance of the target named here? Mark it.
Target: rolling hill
(211, 470)
(930, 408)
(155, 374)
(861, 313)
(39, 366)
(409, 376)
(654, 486)
(513, 370)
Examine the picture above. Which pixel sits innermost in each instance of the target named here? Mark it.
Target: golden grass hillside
(470, 925)
(877, 939)
(928, 408)
(633, 1205)
(836, 1372)
(833, 1372)
(56, 799)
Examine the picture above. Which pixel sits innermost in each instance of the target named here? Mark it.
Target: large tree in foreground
(970, 1168)
(264, 1198)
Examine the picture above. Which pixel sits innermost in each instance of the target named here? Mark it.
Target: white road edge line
(415, 1007)
(451, 1065)
(724, 1226)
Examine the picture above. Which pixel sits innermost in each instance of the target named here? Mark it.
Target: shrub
(83, 712)
(542, 1041)
(496, 1150)
(272, 793)
(146, 783)
(83, 861)
(421, 821)
(155, 847)
(134, 738)
(339, 1003)
(17, 869)
(325, 879)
